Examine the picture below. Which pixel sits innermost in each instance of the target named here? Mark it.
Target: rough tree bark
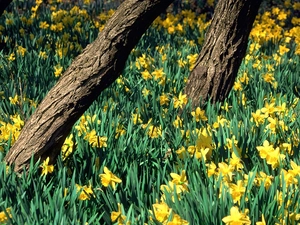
(224, 48)
(89, 74)
(103, 60)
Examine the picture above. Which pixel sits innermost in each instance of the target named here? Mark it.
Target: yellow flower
(164, 57)
(9, 22)
(145, 92)
(94, 140)
(163, 99)
(269, 109)
(58, 70)
(177, 122)
(43, 55)
(237, 86)
(199, 114)
(39, 2)
(181, 63)
(14, 100)
(283, 49)
(146, 75)
(288, 177)
(177, 220)
(158, 74)
(296, 6)
(12, 57)
(136, 118)
(18, 122)
(225, 170)
(236, 162)
(236, 218)
(211, 169)
(295, 168)
(143, 62)
(85, 192)
(220, 121)
(44, 25)
(244, 78)
(161, 211)
(180, 101)
(237, 191)
(10, 131)
(3, 217)
(108, 178)
(180, 180)
(171, 188)
(182, 153)
(258, 118)
(67, 147)
(272, 156)
(47, 168)
(154, 132)
(21, 50)
(282, 16)
(1, 29)
(263, 222)
(269, 78)
(204, 144)
(116, 216)
(263, 150)
(192, 60)
(210, 2)
(265, 179)
(120, 131)
(275, 10)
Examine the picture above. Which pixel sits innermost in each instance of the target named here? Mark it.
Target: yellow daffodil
(44, 25)
(180, 179)
(158, 74)
(237, 191)
(163, 99)
(226, 171)
(46, 168)
(161, 211)
(262, 222)
(3, 216)
(67, 147)
(180, 101)
(236, 217)
(199, 115)
(177, 220)
(108, 178)
(85, 192)
(94, 140)
(58, 70)
(272, 156)
(116, 216)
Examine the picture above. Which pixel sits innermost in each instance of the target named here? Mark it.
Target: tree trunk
(90, 73)
(224, 48)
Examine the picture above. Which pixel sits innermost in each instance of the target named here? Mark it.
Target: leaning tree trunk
(224, 48)
(89, 74)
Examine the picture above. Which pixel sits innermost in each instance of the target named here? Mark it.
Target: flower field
(140, 154)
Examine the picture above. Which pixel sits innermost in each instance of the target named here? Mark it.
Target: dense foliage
(132, 157)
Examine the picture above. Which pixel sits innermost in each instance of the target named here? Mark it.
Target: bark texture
(224, 48)
(91, 72)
